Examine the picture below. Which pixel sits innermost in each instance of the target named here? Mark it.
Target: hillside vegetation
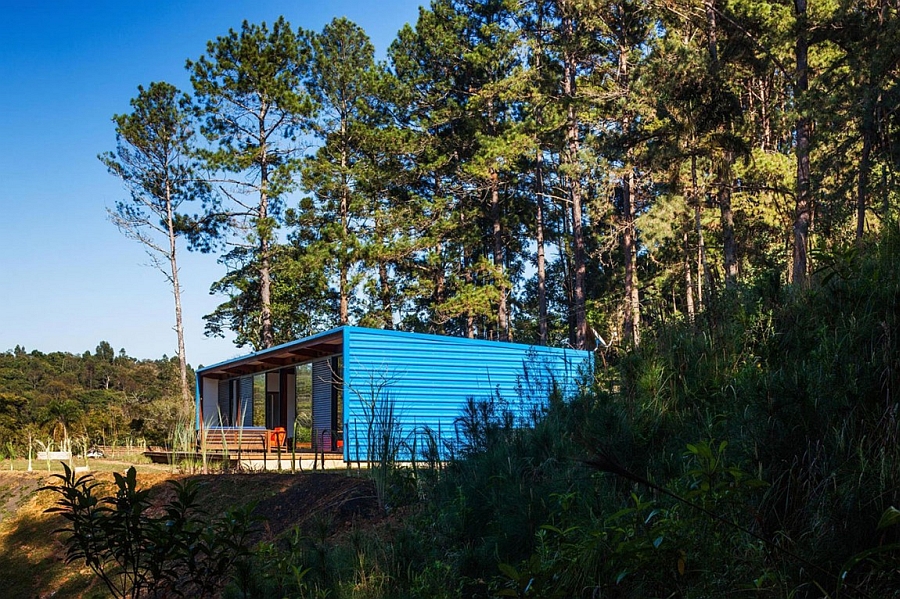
(753, 451)
(773, 417)
(99, 398)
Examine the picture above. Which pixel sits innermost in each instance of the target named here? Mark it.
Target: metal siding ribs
(428, 378)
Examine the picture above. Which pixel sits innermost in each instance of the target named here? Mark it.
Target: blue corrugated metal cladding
(400, 388)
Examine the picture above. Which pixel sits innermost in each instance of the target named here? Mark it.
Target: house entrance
(327, 404)
(304, 400)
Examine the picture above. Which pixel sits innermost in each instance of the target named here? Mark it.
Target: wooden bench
(236, 440)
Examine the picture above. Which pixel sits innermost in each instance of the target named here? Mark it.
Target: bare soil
(15, 489)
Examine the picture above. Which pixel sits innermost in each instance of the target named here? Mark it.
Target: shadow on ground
(32, 557)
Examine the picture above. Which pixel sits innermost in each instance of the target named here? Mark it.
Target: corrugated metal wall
(417, 381)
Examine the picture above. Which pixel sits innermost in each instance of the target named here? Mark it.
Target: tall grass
(183, 441)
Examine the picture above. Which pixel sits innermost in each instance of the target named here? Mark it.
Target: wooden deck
(304, 460)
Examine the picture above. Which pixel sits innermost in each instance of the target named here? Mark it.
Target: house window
(303, 422)
(258, 418)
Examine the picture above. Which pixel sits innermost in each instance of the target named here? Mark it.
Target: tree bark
(539, 239)
(267, 336)
(723, 173)
(688, 279)
(539, 199)
(575, 196)
(568, 277)
(803, 210)
(470, 316)
(629, 242)
(727, 215)
(186, 395)
(862, 191)
(629, 254)
(343, 268)
(387, 312)
(502, 309)
(712, 41)
(439, 285)
(703, 279)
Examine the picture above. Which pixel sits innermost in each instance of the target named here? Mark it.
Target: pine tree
(153, 158)
(249, 93)
(343, 82)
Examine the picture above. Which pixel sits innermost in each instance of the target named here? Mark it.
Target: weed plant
(182, 552)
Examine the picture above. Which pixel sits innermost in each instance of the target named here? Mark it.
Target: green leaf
(509, 571)
(890, 517)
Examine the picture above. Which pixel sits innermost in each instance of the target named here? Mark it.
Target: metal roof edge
(466, 340)
(273, 349)
(348, 330)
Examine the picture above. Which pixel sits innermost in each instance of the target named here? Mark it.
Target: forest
(553, 172)
(99, 398)
(702, 191)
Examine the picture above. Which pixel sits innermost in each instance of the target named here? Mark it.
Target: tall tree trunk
(688, 279)
(703, 279)
(712, 34)
(575, 199)
(765, 99)
(381, 259)
(265, 278)
(440, 282)
(502, 309)
(470, 316)
(723, 172)
(186, 395)
(343, 267)
(803, 211)
(727, 215)
(565, 252)
(439, 287)
(862, 191)
(629, 253)
(387, 312)
(267, 335)
(629, 241)
(868, 129)
(539, 192)
(539, 239)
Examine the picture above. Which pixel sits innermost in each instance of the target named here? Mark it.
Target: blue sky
(68, 278)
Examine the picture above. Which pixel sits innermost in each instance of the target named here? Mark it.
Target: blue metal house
(350, 388)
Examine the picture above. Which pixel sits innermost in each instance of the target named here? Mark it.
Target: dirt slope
(31, 557)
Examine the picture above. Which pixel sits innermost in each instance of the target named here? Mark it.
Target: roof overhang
(288, 354)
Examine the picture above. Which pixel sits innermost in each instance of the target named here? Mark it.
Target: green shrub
(180, 552)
